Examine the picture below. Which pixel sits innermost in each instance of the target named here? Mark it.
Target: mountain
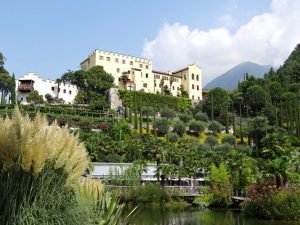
(230, 79)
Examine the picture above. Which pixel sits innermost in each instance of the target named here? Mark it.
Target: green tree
(13, 90)
(197, 126)
(220, 186)
(35, 97)
(179, 128)
(257, 98)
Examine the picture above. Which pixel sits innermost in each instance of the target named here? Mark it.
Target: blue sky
(49, 37)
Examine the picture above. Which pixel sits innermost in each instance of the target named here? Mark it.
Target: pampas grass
(41, 182)
(34, 143)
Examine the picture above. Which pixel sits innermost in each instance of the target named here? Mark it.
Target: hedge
(157, 101)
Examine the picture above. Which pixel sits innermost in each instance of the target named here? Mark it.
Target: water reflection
(194, 216)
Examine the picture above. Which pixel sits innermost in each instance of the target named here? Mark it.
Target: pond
(195, 216)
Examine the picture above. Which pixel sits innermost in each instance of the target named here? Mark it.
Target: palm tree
(58, 82)
(125, 78)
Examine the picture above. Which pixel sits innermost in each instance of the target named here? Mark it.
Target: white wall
(67, 92)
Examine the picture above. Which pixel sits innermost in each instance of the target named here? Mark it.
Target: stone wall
(114, 99)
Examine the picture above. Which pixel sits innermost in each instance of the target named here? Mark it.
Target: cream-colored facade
(143, 77)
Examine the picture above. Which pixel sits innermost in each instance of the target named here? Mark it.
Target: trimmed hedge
(157, 101)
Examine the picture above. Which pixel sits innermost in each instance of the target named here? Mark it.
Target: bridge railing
(239, 192)
(172, 190)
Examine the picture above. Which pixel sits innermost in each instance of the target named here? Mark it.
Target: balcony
(23, 87)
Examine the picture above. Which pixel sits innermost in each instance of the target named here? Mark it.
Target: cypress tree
(233, 113)
(154, 124)
(135, 112)
(212, 107)
(241, 125)
(147, 120)
(13, 90)
(141, 117)
(130, 108)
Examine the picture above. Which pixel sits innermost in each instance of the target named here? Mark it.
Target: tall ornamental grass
(40, 177)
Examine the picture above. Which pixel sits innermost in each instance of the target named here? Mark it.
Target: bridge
(238, 194)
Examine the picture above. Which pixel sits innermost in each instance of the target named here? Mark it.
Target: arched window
(193, 76)
(197, 77)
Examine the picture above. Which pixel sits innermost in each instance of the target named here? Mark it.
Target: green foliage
(211, 140)
(220, 186)
(156, 101)
(162, 127)
(267, 202)
(179, 128)
(98, 102)
(215, 127)
(172, 137)
(119, 130)
(148, 110)
(257, 98)
(13, 90)
(201, 117)
(185, 117)
(229, 139)
(168, 113)
(35, 98)
(146, 195)
(197, 126)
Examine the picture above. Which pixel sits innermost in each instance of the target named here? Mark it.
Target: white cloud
(266, 39)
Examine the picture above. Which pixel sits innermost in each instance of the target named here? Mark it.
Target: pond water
(195, 216)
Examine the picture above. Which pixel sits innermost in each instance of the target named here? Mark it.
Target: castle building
(142, 77)
(32, 81)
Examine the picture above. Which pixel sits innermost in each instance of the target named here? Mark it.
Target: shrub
(167, 113)
(185, 117)
(40, 174)
(156, 101)
(150, 111)
(229, 139)
(179, 128)
(215, 127)
(162, 127)
(220, 186)
(201, 117)
(147, 194)
(172, 137)
(268, 202)
(211, 140)
(196, 126)
(224, 148)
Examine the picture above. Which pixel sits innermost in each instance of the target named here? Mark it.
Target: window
(107, 58)
(52, 88)
(147, 67)
(65, 91)
(116, 60)
(193, 76)
(144, 85)
(197, 77)
(70, 92)
(154, 84)
(156, 76)
(192, 96)
(101, 57)
(131, 63)
(177, 88)
(173, 88)
(118, 70)
(198, 98)
(58, 89)
(141, 65)
(146, 75)
(197, 87)
(193, 86)
(123, 61)
(184, 76)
